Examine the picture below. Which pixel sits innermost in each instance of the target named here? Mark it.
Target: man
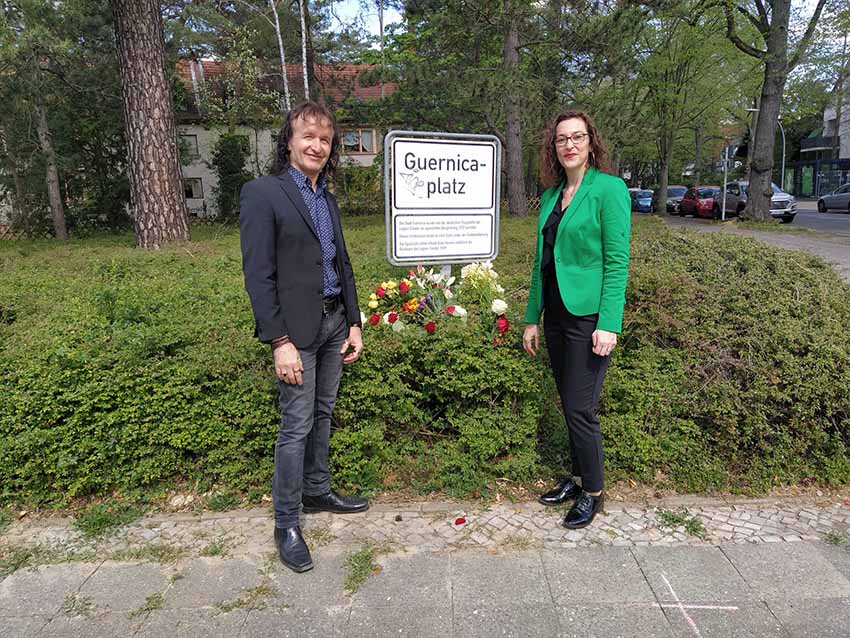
(301, 285)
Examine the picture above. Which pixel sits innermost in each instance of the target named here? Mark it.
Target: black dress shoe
(565, 491)
(292, 549)
(333, 502)
(583, 511)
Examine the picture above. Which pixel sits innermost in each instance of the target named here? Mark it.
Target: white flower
(363, 319)
(499, 306)
(459, 311)
(398, 326)
(448, 293)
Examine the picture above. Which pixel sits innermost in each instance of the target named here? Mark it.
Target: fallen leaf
(377, 570)
(22, 513)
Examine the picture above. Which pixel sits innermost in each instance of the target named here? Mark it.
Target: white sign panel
(442, 197)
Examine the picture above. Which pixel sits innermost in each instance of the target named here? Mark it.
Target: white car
(839, 198)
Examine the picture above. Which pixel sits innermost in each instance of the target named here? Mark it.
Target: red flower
(450, 310)
(374, 319)
(503, 324)
(460, 520)
(474, 493)
(380, 292)
(403, 287)
(430, 327)
(392, 317)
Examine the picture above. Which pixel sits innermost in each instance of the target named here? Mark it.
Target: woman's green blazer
(591, 251)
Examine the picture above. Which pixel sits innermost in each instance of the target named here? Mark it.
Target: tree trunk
(286, 104)
(698, 154)
(665, 157)
(301, 10)
(156, 188)
(54, 193)
(775, 74)
(517, 202)
(20, 209)
(383, 57)
(839, 102)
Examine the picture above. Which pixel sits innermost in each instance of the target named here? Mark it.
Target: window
(733, 190)
(358, 141)
(193, 188)
(189, 146)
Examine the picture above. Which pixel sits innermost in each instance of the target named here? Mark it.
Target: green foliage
(681, 517)
(230, 155)
(359, 189)
(124, 370)
(222, 501)
(101, 518)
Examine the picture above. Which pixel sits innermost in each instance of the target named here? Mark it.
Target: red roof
(337, 81)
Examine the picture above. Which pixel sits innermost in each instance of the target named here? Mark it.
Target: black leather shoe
(583, 511)
(292, 549)
(566, 490)
(333, 502)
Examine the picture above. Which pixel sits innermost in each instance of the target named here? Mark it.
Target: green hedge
(122, 370)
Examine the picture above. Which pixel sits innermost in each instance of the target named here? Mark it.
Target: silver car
(783, 206)
(839, 198)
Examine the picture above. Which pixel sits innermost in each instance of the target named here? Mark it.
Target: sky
(349, 10)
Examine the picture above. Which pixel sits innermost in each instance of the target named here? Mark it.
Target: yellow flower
(391, 285)
(373, 304)
(373, 297)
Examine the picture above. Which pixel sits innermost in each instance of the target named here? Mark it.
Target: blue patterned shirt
(317, 204)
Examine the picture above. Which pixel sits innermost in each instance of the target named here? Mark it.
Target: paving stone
(21, 627)
(408, 580)
(108, 625)
(125, 586)
(296, 622)
(191, 623)
(412, 621)
(692, 574)
(788, 570)
(41, 590)
(826, 618)
(325, 582)
(742, 620)
(207, 582)
(510, 578)
(605, 621)
(596, 576)
(487, 620)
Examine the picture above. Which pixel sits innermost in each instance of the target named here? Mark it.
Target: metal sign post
(442, 193)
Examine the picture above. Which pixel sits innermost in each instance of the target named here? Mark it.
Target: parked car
(699, 201)
(839, 198)
(783, 206)
(675, 194)
(641, 199)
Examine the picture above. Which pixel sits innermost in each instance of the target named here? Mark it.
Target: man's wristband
(280, 341)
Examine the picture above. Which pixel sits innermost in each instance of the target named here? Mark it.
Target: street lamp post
(781, 130)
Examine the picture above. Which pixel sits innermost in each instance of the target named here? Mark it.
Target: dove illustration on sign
(413, 183)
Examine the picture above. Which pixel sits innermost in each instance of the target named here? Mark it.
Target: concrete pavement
(683, 567)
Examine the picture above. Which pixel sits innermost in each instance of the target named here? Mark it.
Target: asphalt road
(834, 223)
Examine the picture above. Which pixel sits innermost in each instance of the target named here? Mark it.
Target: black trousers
(579, 375)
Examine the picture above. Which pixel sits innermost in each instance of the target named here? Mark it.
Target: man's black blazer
(282, 261)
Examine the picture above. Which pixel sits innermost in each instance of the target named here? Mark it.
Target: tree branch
(763, 16)
(733, 36)
(804, 43)
(761, 25)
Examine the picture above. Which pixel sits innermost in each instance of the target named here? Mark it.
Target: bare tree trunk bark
(301, 11)
(698, 154)
(839, 101)
(665, 157)
(20, 209)
(54, 193)
(287, 102)
(156, 185)
(517, 202)
(383, 58)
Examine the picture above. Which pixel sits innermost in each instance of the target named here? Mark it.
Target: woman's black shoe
(583, 511)
(566, 490)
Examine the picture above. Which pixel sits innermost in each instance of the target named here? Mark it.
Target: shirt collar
(301, 180)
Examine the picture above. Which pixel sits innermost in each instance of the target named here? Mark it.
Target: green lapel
(578, 198)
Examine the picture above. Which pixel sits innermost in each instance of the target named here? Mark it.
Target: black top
(547, 259)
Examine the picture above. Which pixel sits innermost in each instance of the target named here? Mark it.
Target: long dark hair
(551, 171)
(306, 110)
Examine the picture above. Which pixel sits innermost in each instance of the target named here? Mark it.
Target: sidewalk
(683, 567)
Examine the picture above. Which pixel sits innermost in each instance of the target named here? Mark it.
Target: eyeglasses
(577, 138)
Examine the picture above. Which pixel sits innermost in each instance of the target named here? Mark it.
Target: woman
(578, 283)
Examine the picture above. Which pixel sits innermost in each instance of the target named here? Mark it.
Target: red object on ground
(460, 520)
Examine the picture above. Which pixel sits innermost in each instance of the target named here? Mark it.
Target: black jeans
(301, 451)
(579, 375)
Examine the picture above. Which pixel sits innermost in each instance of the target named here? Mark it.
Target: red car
(701, 201)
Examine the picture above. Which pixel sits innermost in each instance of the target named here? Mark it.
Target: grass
(152, 603)
(839, 539)
(773, 226)
(75, 605)
(518, 543)
(318, 537)
(103, 518)
(692, 525)
(361, 565)
(255, 598)
(222, 501)
(5, 521)
(217, 548)
(153, 553)
(15, 557)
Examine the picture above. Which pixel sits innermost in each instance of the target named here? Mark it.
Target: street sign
(442, 197)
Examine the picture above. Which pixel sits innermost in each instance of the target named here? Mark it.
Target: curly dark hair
(307, 109)
(551, 171)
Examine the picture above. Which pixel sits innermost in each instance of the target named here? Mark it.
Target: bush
(359, 189)
(230, 155)
(123, 369)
